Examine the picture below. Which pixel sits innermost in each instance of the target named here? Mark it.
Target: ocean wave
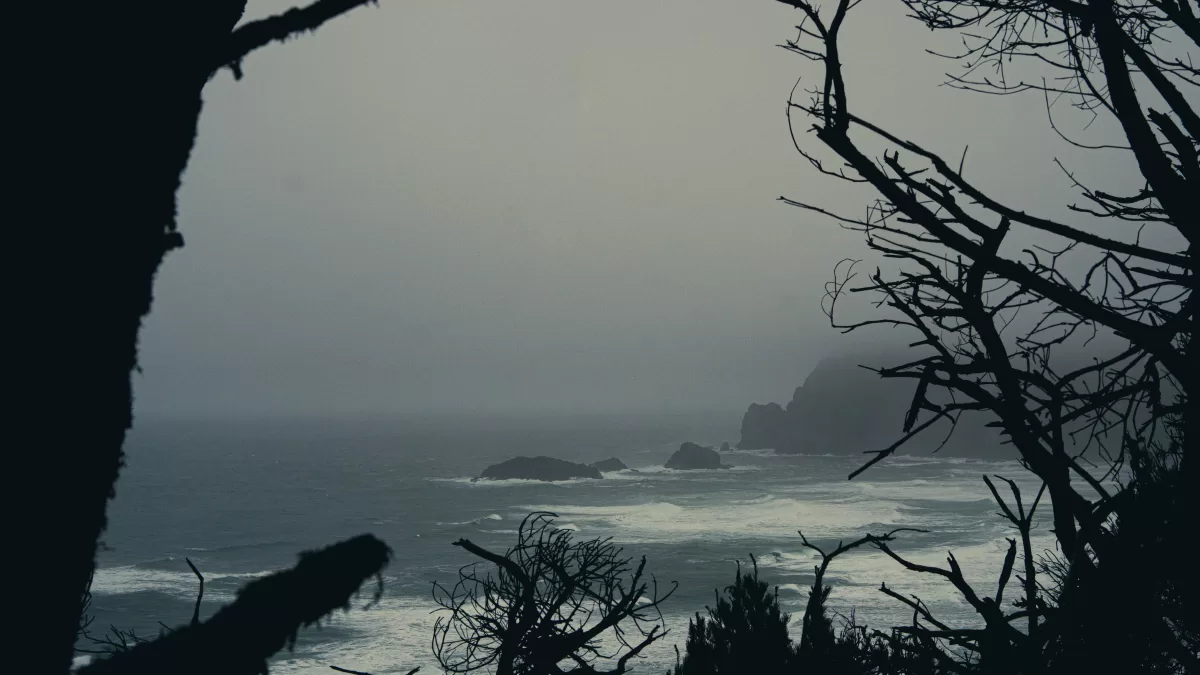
(762, 452)
(761, 499)
(944, 490)
(923, 460)
(285, 543)
(625, 474)
(661, 472)
(127, 579)
(393, 638)
(632, 474)
(474, 521)
(170, 561)
(856, 575)
(967, 488)
(474, 481)
(667, 522)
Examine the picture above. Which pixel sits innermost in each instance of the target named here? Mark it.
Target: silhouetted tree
(266, 616)
(103, 111)
(121, 639)
(1148, 574)
(990, 317)
(860, 651)
(550, 600)
(745, 632)
(821, 648)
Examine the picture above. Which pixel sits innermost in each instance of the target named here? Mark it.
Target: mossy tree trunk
(106, 97)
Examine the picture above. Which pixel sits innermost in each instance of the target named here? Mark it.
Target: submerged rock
(610, 464)
(692, 456)
(725, 447)
(539, 468)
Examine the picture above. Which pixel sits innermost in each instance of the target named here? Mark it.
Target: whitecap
(657, 471)
(762, 452)
(666, 522)
(393, 638)
(509, 482)
(856, 575)
(762, 499)
(132, 579)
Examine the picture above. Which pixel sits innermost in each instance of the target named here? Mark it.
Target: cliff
(842, 408)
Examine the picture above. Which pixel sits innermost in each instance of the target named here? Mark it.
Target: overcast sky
(546, 205)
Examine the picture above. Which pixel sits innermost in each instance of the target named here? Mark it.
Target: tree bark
(105, 99)
(106, 117)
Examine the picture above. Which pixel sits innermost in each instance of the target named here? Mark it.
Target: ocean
(242, 498)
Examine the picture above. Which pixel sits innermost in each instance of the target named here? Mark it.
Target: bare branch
(278, 28)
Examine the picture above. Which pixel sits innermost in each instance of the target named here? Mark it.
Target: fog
(537, 206)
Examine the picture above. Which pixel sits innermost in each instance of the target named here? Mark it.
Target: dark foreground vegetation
(107, 101)
(993, 320)
(103, 120)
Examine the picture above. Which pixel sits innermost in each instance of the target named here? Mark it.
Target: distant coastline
(843, 408)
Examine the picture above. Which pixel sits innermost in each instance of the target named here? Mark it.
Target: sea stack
(539, 468)
(610, 464)
(692, 456)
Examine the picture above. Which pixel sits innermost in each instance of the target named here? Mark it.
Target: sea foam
(667, 522)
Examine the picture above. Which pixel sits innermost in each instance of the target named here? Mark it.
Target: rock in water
(610, 464)
(692, 456)
(764, 427)
(725, 447)
(539, 468)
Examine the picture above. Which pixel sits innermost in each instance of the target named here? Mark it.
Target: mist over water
(240, 499)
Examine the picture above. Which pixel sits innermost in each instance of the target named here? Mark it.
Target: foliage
(745, 632)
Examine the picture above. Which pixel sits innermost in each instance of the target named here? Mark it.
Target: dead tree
(548, 600)
(123, 639)
(990, 322)
(104, 111)
(265, 618)
(817, 633)
(999, 646)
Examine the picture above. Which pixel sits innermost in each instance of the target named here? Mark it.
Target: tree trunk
(76, 400)
(107, 112)
(104, 97)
